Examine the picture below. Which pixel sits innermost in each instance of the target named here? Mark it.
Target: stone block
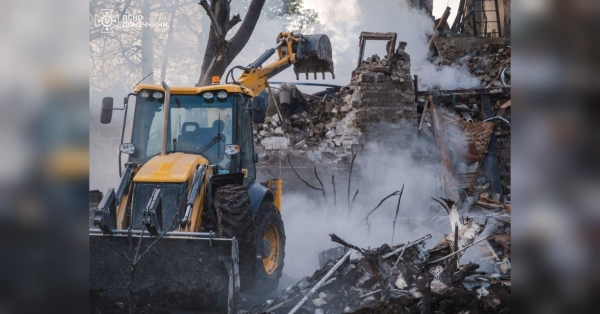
(276, 142)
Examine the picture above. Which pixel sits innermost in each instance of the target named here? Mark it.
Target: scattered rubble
(319, 121)
(405, 278)
(381, 88)
(488, 59)
(469, 269)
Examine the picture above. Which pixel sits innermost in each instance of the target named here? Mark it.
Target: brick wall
(383, 110)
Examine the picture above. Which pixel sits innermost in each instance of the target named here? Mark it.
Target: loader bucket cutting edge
(187, 273)
(315, 56)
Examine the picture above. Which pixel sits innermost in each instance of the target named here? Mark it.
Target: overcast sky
(440, 5)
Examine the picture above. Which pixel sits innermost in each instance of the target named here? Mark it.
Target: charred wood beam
(426, 301)
(491, 169)
(396, 216)
(476, 91)
(459, 15)
(349, 183)
(320, 283)
(341, 241)
(416, 81)
(442, 143)
(466, 18)
(334, 192)
(438, 26)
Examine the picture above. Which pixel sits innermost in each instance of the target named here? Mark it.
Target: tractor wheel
(235, 218)
(270, 245)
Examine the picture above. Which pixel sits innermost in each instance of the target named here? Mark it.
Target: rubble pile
(405, 278)
(381, 90)
(321, 121)
(489, 62)
(491, 65)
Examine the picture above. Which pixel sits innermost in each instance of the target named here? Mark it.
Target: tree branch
(396, 217)
(352, 203)
(241, 37)
(374, 209)
(341, 241)
(334, 194)
(297, 175)
(213, 19)
(444, 206)
(350, 181)
(322, 187)
(233, 22)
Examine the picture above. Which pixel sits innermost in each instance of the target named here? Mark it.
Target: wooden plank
(502, 109)
(506, 104)
(461, 8)
(440, 23)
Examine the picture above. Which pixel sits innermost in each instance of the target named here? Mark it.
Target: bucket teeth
(316, 56)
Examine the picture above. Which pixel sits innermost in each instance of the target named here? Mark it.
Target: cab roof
(186, 90)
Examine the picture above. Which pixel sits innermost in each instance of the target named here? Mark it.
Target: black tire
(268, 217)
(235, 218)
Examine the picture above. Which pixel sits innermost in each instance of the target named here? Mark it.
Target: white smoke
(343, 21)
(378, 171)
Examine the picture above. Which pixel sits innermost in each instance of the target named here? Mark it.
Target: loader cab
(214, 122)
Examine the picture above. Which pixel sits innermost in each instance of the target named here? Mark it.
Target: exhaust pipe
(163, 148)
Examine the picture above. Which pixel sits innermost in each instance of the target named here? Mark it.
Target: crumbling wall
(388, 114)
(378, 107)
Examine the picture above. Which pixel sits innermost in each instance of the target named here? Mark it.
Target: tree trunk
(220, 52)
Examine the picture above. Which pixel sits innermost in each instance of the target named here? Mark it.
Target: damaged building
(329, 129)
(468, 270)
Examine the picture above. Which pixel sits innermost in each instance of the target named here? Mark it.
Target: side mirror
(107, 109)
(259, 109)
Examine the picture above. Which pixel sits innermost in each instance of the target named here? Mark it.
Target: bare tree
(220, 52)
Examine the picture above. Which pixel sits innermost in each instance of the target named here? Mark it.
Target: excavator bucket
(313, 56)
(176, 272)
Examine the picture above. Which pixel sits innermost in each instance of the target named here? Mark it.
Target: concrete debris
(275, 142)
(366, 282)
(400, 282)
(319, 302)
(437, 286)
(469, 269)
(355, 256)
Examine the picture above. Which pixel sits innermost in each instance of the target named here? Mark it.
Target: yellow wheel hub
(271, 261)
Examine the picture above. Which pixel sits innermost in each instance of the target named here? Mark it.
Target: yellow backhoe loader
(188, 226)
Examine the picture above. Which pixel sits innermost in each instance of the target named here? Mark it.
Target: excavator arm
(307, 53)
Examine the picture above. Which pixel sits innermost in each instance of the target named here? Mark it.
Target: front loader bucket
(313, 56)
(178, 272)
